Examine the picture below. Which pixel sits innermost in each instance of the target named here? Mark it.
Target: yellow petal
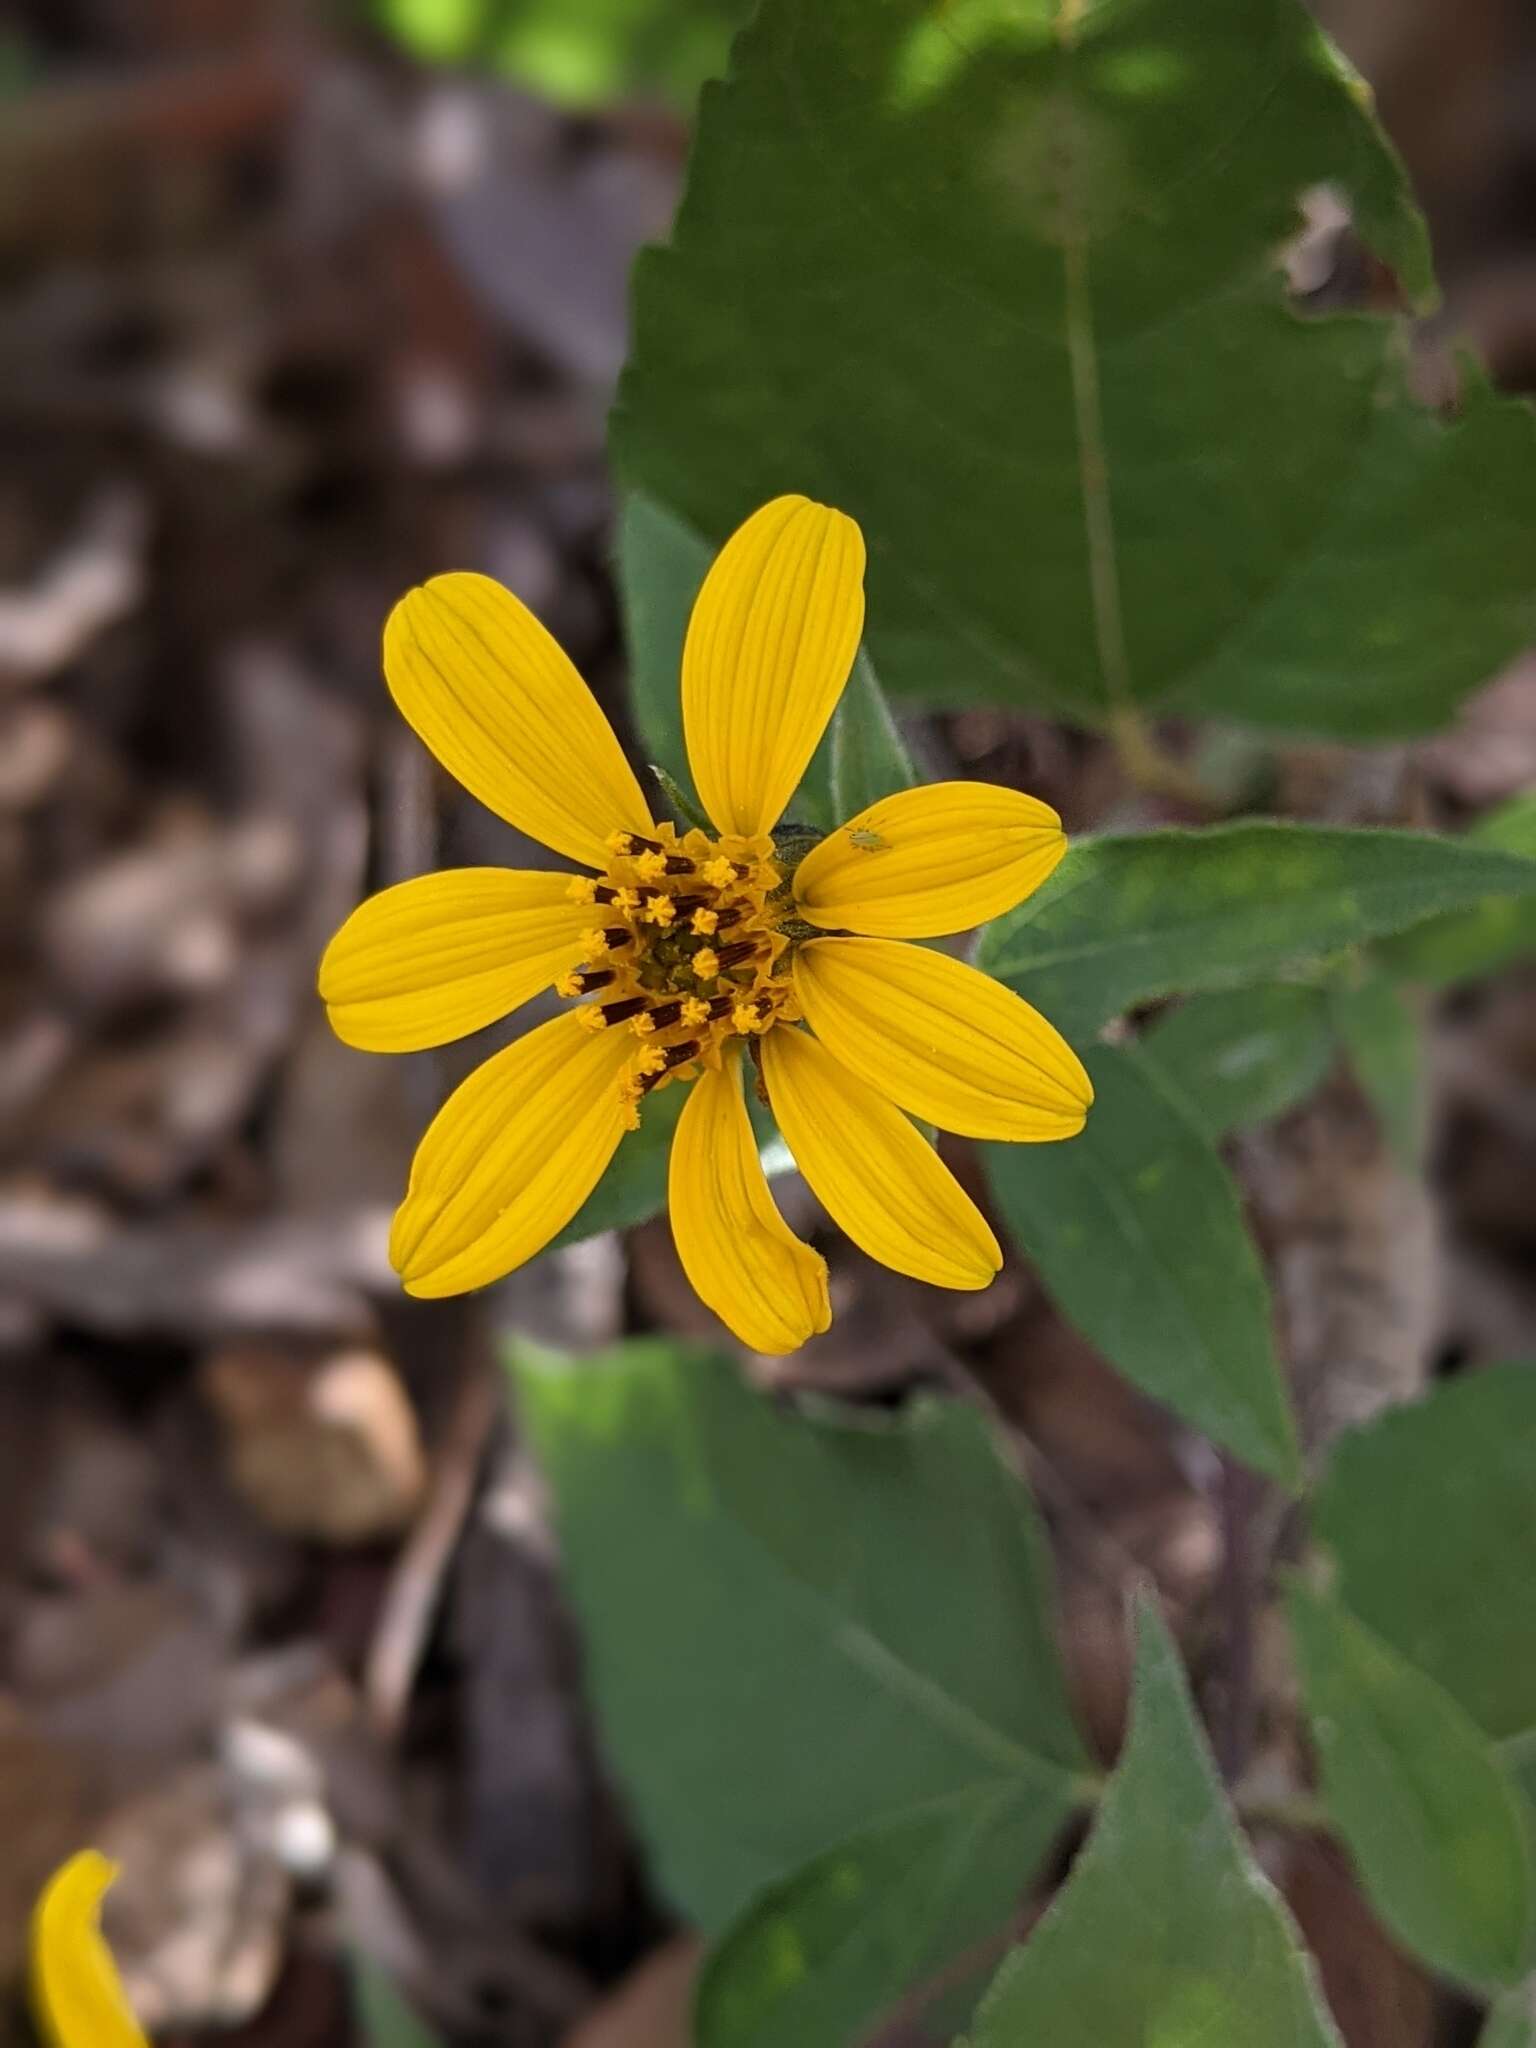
(871, 1169)
(500, 705)
(930, 861)
(770, 643)
(945, 1041)
(741, 1257)
(76, 1992)
(431, 960)
(510, 1157)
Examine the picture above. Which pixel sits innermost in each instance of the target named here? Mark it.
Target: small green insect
(865, 840)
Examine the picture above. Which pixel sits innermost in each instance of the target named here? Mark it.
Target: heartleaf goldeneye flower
(686, 953)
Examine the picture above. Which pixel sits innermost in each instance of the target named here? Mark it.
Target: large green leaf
(1431, 1515)
(1240, 1055)
(792, 1623)
(813, 1960)
(1435, 1824)
(1466, 943)
(1166, 1934)
(1126, 919)
(1136, 1230)
(661, 564)
(1003, 280)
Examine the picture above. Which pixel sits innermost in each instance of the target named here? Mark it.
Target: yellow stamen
(706, 922)
(720, 872)
(650, 867)
(695, 1012)
(706, 963)
(659, 910)
(582, 890)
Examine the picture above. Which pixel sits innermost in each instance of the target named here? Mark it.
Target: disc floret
(690, 953)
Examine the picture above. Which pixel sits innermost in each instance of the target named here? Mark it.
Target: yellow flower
(76, 1992)
(701, 945)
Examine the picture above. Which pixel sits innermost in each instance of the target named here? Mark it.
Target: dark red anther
(732, 956)
(595, 978)
(617, 935)
(679, 864)
(679, 1055)
(620, 1013)
(665, 1015)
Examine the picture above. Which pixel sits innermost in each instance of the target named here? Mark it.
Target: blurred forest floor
(287, 324)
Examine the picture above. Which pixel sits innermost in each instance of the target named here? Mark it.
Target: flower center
(688, 951)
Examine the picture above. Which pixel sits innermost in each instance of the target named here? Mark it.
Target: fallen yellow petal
(436, 958)
(741, 1257)
(498, 702)
(510, 1157)
(770, 643)
(77, 1994)
(942, 1039)
(930, 861)
(872, 1170)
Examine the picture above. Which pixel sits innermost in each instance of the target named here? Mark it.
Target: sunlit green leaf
(1005, 282)
(1434, 1823)
(792, 1623)
(1166, 1935)
(1136, 1230)
(580, 52)
(1125, 919)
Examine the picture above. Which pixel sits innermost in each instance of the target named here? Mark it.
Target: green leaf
(869, 756)
(1381, 1033)
(662, 563)
(1466, 943)
(935, 266)
(1241, 1055)
(635, 1186)
(1434, 1823)
(1123, 920)
(1430, 1512)
(791, 1623)
(1166, 1934)
(1136, 1230)
(578, 52)
(1512, 2023)
(385, 2019)
(815, 1958)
